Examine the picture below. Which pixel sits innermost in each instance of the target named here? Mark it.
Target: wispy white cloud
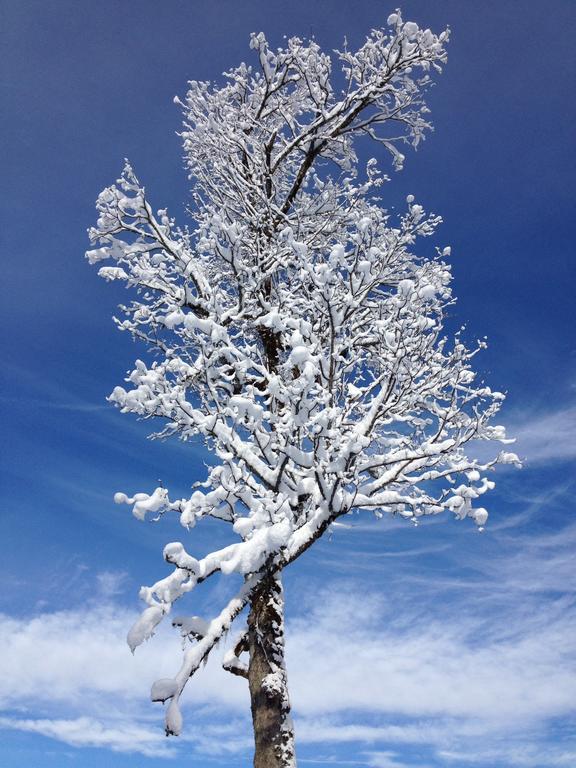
(545, 437)
(521, 755)
(32, 403)
(419, 666)
(536, 563)
(315, 730)
(111, 583)
(79, 658)
(385, 760)
(89, 732)
(69, 675)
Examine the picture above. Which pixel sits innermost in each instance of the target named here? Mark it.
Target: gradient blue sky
(435, 646)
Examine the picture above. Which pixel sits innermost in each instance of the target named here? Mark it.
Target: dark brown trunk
(273, 731)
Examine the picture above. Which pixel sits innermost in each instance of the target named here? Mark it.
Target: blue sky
(435, 646)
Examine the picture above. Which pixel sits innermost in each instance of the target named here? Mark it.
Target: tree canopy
(296, 325)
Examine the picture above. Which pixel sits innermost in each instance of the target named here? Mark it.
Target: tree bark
(273, 730)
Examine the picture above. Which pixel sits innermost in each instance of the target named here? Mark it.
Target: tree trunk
(273, 731)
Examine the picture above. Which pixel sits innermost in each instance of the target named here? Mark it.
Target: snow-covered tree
(299, 329)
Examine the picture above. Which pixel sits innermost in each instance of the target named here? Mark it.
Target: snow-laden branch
(171, 689)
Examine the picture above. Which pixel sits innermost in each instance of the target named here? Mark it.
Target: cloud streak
(89, 732)
(546, 437)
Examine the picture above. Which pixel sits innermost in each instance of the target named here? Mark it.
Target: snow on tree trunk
(270, 703)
